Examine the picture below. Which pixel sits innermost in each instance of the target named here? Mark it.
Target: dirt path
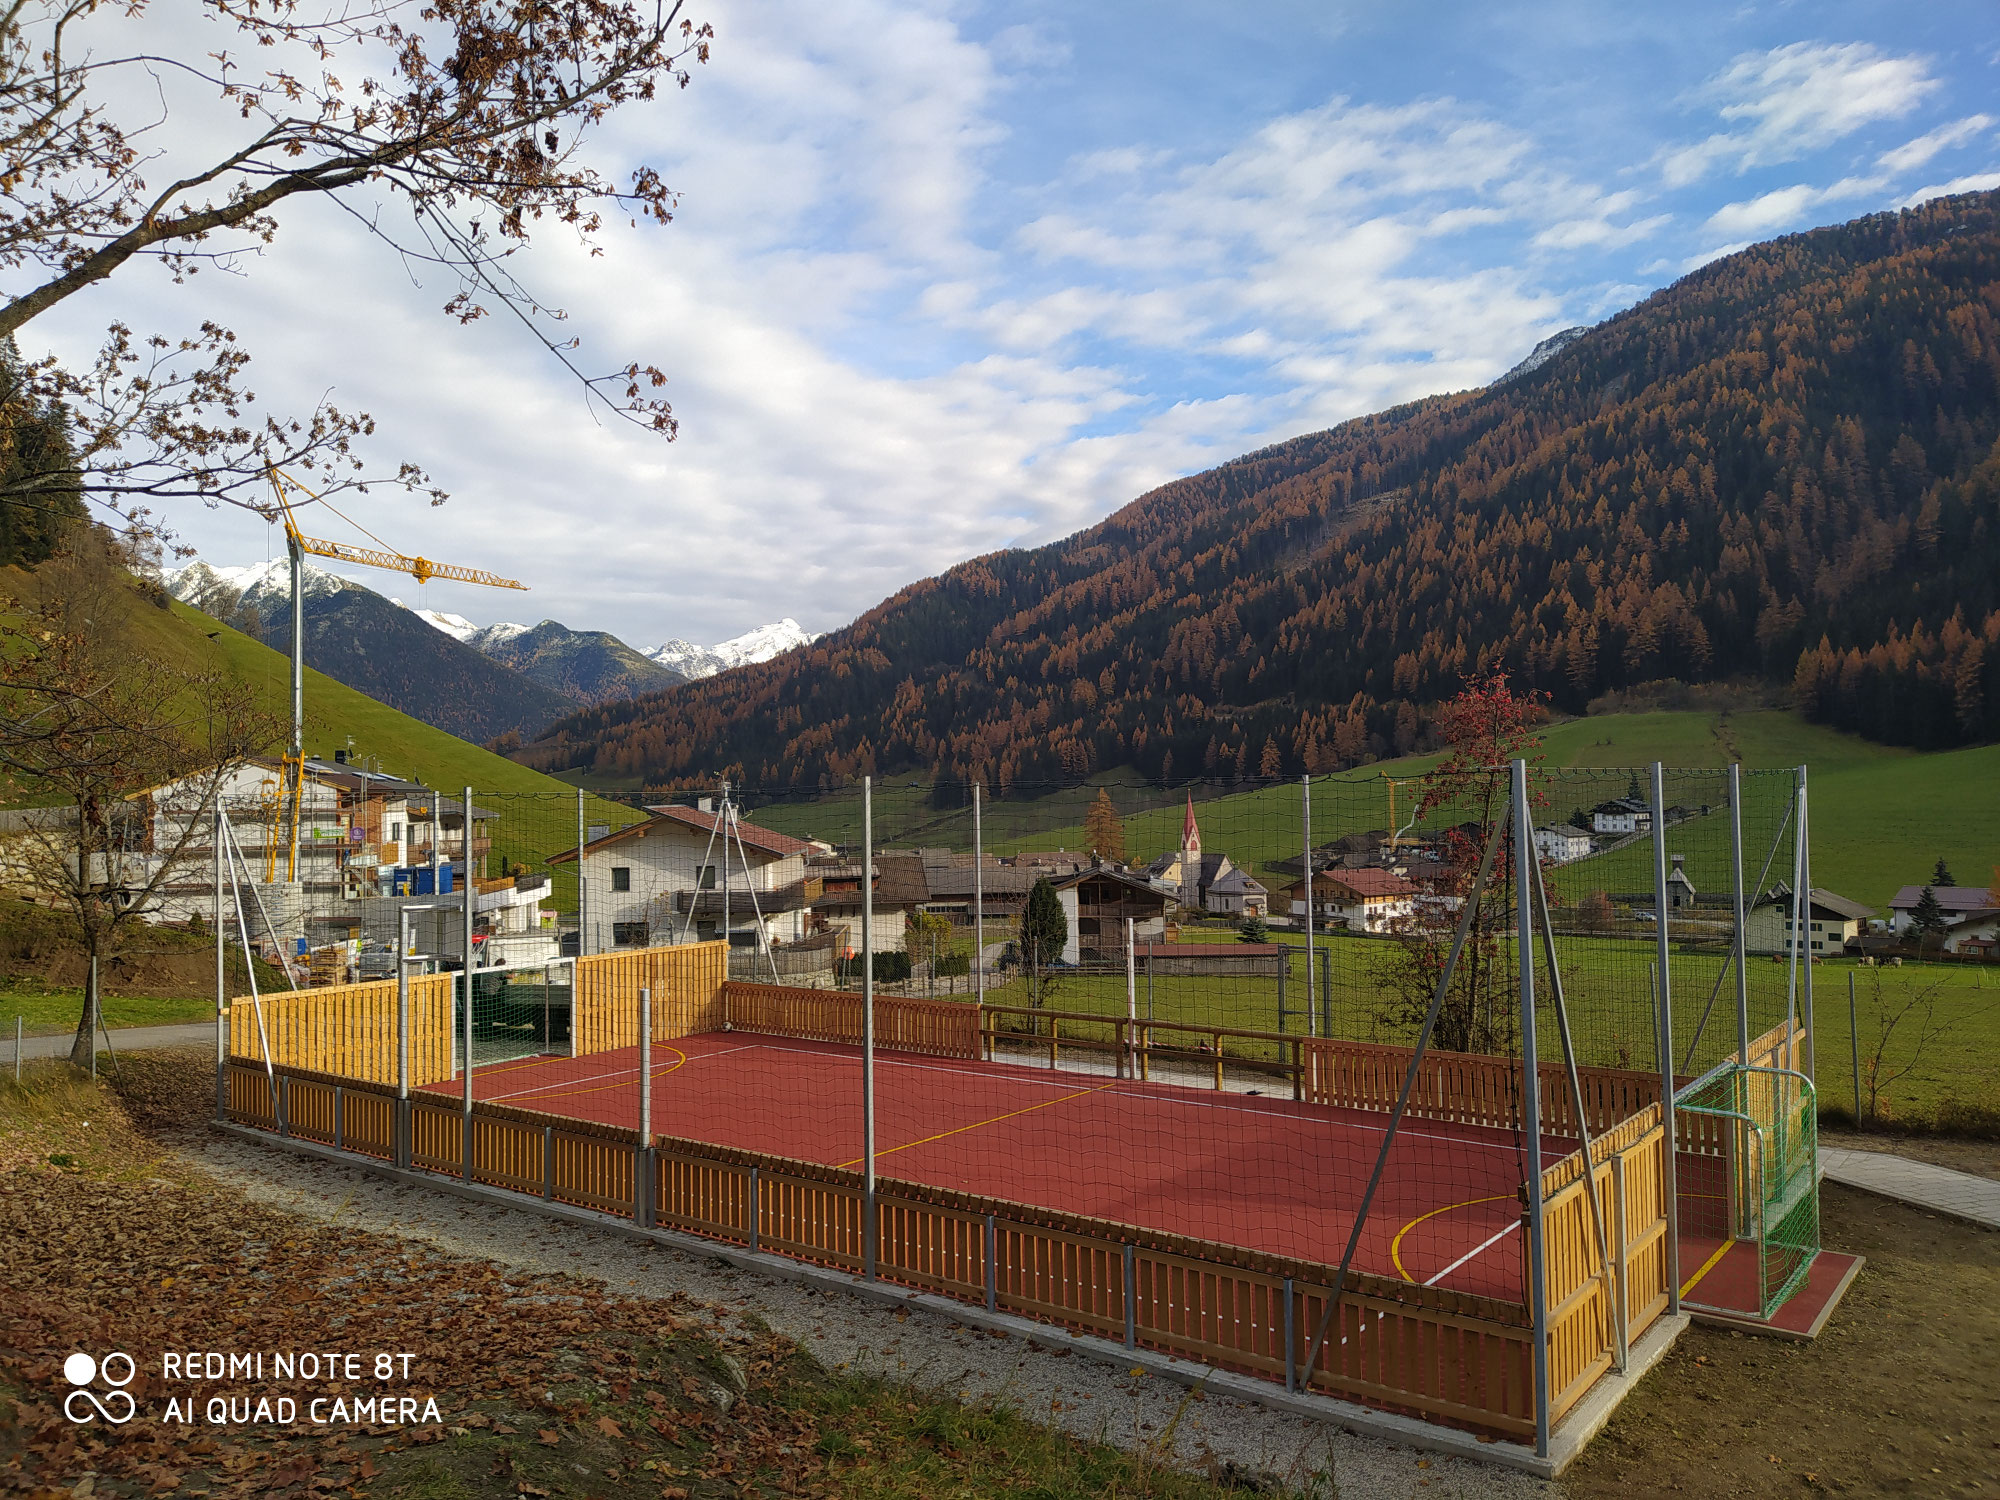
(1900, 1394)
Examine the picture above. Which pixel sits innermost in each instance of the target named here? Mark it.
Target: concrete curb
(1566, 1442)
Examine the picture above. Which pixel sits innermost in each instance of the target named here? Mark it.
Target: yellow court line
(544, 1095)
(978, 1124)
(1722, 1250)
(1396, 1245)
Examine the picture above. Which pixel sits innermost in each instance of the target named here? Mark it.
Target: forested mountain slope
(1784, 465)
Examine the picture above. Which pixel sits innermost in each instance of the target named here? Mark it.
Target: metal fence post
(756, 1208)
(548, 1163)
(868, 1225)
(642, 1161)
(339, 1117)
(1854, 1046)
(471, 905)
(1291, 1337)
(992, 1270)
(1805, 860)
(1131, 1297)
(1531, 1099)
(1664, 942)
(1312, 994)
(582, 924)
(978, 904)
(221, 988)
(1739, 952)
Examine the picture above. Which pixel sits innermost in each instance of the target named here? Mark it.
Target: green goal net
(1748, 1187)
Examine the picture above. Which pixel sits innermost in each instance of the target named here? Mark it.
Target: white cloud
(1785, 208)
(1792, 100)
(1975, 182)
(1913, 154)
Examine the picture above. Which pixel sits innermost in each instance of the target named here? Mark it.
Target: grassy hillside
(538, 813)
(1880, 816)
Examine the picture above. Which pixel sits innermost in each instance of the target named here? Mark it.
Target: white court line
(614, 1073)
(1038, 1078)
(1512, 1225)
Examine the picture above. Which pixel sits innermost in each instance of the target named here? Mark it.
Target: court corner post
(221, 986)
(471, 905)
(1531, 1103)
(1665, 999)
(402, 1116)
(868, 1221)
(1306, 817)
(1806, 986)
(642, 1157)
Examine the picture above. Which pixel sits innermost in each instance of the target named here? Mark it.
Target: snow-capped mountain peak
(761, 644)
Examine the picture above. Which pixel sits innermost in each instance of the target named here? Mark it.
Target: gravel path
(1222, 1435)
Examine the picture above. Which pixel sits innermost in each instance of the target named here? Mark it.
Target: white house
(1964, 906)
(673, 878)
(1622, 815)
(1831, 921)
(1365, 900)
(1560, 843)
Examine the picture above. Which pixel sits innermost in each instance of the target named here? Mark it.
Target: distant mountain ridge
(563, 669)
(1784, 467)
(376, 646)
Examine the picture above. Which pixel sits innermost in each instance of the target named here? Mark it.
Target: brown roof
(1362, 883)
(778, 845)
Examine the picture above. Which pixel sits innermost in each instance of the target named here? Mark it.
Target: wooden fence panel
(349, 1030)
(1467, 1089)
(593, 1171)
(1627, 1174)
(368, 1123)
(932, 1028)
(1060, 1277)
(1426, 1363)
(506, 1153)
(703, 1197)
(437, 1136)
(686, 982)
(810, 1220)
(931, 1248)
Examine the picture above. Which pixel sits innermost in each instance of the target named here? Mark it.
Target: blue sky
(952, 277)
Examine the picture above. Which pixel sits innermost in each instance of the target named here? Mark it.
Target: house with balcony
(1360, 900)
(1098, 901)
(674, 877)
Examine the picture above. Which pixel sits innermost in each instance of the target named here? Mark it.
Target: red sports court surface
(1254, 1171)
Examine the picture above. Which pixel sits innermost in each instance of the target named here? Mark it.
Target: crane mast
(291, 780)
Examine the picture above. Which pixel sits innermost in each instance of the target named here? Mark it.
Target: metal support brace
(1291, 1335)
(992, 1270)
(1131, 1297)
(548, 1163)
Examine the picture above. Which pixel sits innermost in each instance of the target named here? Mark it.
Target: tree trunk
(85, 1042)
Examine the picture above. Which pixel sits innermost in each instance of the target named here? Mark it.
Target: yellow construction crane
(291, 783)
(1396, 833)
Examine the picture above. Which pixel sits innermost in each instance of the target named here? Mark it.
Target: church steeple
(1190, 860)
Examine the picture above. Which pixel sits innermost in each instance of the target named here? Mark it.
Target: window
(629, 934)
(704, 877)
(621, 877)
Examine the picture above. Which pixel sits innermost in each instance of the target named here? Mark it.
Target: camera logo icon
(81, 1371)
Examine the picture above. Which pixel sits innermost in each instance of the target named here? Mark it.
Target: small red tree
(1484, 728)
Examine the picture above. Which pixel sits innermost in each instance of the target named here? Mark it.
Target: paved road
(1938, 1189)
(123, 1039)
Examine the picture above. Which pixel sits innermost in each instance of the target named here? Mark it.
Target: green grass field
(1929, 1034)
(1880, 816)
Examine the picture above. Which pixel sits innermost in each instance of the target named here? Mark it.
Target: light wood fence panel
(1467, 1089)
(1627, 1175)
(349, 1030)
(933, 1028)
(686, 983)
